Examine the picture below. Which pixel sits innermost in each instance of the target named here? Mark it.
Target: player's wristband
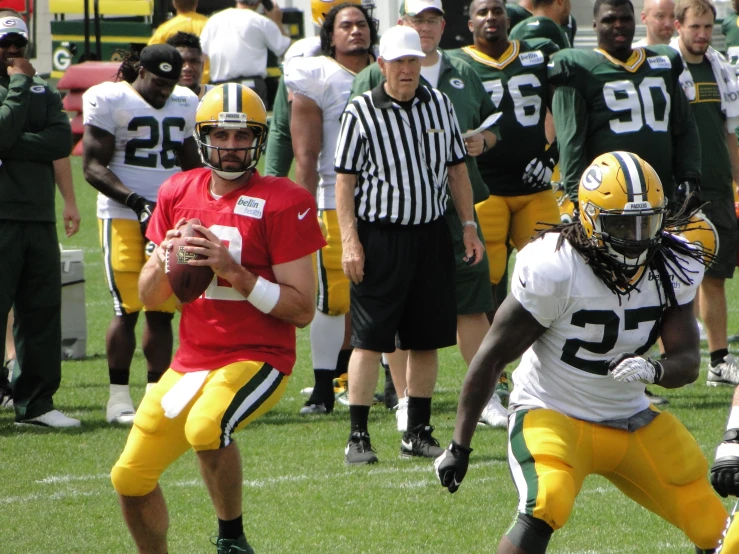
(265, 295)
(469, 224)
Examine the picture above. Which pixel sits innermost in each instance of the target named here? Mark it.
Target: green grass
(56, 496)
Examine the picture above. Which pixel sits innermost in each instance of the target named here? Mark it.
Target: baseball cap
(13, 26)
(162, 60)
(400, 41)
(414, 7)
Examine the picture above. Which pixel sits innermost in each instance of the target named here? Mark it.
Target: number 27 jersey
(587, 325)
(146, 139)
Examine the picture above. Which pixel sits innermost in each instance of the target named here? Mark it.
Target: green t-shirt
(471, 103)
(516, 14)
(602, 104)
(715, 162)
(540, 27)
(517, 84)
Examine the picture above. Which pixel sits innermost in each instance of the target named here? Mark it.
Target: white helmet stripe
(634, 176)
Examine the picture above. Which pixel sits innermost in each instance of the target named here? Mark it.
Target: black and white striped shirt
(400, 155)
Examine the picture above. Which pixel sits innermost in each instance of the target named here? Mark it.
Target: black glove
(143, 209)
(451, 466)
(538, 172)
(725, 470)
(687, 196)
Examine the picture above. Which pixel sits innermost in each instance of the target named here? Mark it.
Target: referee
(398, 149)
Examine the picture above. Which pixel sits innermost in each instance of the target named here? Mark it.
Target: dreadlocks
(668, 254)
(129, 68)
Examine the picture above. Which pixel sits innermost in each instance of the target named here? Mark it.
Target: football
(187, 281)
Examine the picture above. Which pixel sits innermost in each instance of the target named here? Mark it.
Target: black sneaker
(359, 450)
(6, 392)
(419, 442)
(232, 546)
(320, 402)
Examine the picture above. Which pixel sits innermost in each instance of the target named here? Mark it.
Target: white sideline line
(71, 478)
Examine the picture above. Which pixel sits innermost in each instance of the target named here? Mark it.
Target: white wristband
(733, 418)
(265, 295)
(470, 224)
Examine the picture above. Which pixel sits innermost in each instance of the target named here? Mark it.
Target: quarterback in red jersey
(237, 340)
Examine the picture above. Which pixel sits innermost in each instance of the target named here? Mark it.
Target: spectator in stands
(659, 18)
(35, 131)
(237, 39)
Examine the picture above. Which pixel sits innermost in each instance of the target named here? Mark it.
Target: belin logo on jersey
(249, 207)
(659, 62)
(531, 58)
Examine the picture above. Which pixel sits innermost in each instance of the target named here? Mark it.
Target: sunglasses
(19, 42)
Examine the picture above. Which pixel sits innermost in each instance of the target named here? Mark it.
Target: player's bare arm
(306, 126)
(681, 360)
(154, 287)
(296, 304)
(461, 189)
(98, 147)
(353, 253)
(513, 330)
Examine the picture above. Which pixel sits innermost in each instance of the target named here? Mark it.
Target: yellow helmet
(231, 106)
(622, 206)
(319, 8)
(700, 231)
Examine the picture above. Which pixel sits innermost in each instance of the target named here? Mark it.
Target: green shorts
(473, 291)
(723, 216)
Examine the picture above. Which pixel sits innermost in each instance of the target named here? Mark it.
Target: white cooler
(74, 315)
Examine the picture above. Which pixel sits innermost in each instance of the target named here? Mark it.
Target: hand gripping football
(188, 282)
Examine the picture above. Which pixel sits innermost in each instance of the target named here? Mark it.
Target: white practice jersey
(328, 84)
(566, 367)
(145, 138)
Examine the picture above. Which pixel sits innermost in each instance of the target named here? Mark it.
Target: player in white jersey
(588, 300)
(320, 88)
(138, 133)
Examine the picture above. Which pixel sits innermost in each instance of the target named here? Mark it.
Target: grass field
(299, 497)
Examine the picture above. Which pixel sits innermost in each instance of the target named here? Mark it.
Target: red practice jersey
(269, 221)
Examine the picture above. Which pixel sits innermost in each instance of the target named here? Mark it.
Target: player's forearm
(680, 369)
(306, 172)
(731, 144)
(154, 288)
(105, 181)
(345, 208)
(461, 191)
(64, 181)
(293, 306)
(570, 122)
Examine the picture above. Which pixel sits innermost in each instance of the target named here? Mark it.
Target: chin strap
(228, 175)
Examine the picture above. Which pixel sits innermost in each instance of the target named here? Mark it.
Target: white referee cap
(400, 41)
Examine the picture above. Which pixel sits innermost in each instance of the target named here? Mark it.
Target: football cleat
(656, 399)
(120, 409)
(359, 450)
(420, 443)
(494, 414)
(725, 373)
(232, 546)
(54, 419)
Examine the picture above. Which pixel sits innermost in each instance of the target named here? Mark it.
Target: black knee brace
(530, 534)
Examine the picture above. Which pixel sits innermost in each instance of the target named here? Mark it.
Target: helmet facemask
(230, 121)
(630, 235)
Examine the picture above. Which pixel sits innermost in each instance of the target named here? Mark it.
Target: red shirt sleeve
(293, 232)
